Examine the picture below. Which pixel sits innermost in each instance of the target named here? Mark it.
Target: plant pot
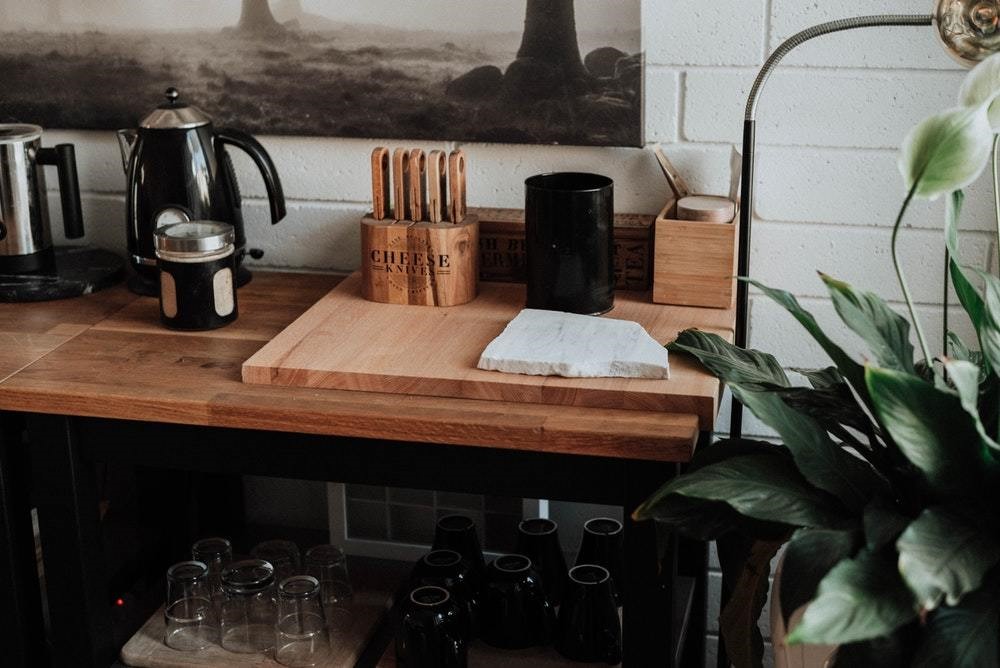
(794, 656)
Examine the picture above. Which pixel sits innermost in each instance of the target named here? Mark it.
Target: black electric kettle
(178, 170)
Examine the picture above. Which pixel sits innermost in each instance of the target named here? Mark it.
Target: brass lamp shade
(969, 30)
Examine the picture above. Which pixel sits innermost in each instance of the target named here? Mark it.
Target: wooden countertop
(106, 355)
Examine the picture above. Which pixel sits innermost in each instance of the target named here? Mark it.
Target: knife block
(419, 264)
(694, 262)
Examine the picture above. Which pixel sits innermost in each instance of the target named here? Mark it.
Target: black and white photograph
(513, 71)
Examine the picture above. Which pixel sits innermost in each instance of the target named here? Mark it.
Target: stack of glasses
(271, 603)
(528, 599)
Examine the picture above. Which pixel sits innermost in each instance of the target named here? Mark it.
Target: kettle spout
(126, 142)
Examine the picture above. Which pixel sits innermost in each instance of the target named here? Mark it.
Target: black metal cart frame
(658, 629)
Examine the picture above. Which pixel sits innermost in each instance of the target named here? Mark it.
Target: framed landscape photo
(514, 71)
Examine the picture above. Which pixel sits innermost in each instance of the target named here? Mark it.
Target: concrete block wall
(830, 123)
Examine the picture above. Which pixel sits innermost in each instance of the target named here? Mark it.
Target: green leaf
(738, 620)
(823, 463)
(821, 379)
(750, 368)
(705, 520)
(883, 524)
(931, 428)
(859, 599)
(965, 377)
(985, 321)
(893, 651)
(808, 558)
(851, 370)
(957, 348)
(964, 636)
(946, 152)
(988, 326)
(830, 406)
(764, 487)
(885, 331)
(981, 87)
(944, 556)
(751, 375)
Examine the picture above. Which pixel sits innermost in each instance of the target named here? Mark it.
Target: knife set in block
(419, 245)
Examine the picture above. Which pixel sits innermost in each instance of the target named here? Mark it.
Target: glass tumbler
(302, 637)
(328, 564)
(282, 554)
(248, 607)
(189, 615)
(216, 553)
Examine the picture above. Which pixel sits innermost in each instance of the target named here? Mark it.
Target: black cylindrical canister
(197, 267)
(569, 221)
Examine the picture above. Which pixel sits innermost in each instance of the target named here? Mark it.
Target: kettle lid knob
(174, 114)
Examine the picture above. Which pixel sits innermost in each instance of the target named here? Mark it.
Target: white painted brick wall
(830, 122)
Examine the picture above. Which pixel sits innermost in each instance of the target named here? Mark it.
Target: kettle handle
(252, 147)
(63, 157)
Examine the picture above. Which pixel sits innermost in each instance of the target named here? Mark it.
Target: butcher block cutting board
(347, 343)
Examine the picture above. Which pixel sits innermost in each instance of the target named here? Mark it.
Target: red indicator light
(119, 602)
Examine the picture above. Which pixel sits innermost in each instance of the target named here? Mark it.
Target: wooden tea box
(694, 261)
(502, 256)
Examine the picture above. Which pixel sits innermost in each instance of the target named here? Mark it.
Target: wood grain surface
(694, 262)
(30, 331)
(129, 367)
(423, 264)
(345, 342)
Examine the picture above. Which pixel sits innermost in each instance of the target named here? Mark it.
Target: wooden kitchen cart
(115, 387)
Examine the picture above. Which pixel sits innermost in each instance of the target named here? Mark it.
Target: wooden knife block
(420, 264)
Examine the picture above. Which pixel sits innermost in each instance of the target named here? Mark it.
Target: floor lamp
(969, 30)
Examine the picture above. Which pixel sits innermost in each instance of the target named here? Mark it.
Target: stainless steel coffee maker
(25, 235)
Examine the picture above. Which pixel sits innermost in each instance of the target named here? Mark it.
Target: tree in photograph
(256, 17)
(550, 36)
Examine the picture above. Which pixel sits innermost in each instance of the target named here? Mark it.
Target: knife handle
(437, 186)
(380, 183)
(456, 182)
(401, 184)
(418, 185)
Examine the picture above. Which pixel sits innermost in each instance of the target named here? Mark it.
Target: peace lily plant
(886, 486)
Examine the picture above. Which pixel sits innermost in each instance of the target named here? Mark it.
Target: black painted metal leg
(68, 515)
(647, 622)
(693, 563)
(21, 626)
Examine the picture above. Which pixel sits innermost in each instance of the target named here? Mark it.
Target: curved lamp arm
(749, 142)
